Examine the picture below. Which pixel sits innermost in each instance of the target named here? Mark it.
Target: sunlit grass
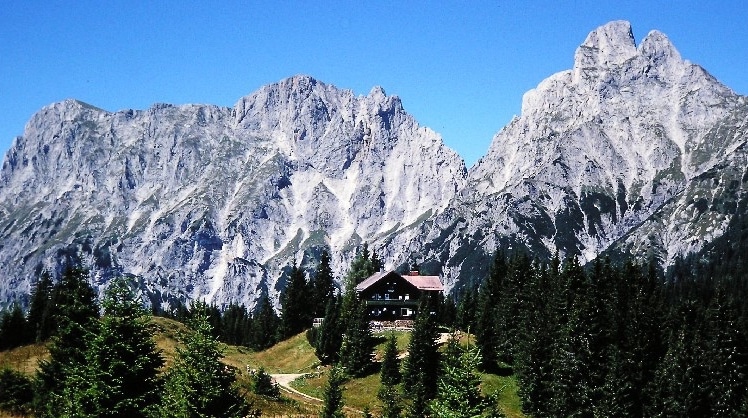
(24, 359)
(506, 386)
(293, 355)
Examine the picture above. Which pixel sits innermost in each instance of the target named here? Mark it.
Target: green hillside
(291, 356)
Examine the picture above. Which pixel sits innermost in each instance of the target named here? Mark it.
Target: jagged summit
(612, 153)
(202, 201)
(608, 45)
(612, 44)
(657, 49)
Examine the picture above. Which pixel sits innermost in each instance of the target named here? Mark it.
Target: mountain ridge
(633, 150)
(271, 152)
(596, 152)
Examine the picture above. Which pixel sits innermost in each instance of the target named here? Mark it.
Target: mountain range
(634, 151)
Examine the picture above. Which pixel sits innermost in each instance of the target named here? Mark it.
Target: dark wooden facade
(391, 296)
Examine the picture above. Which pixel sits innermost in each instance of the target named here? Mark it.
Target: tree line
(596, 340)
(301, 301)
(610, 340)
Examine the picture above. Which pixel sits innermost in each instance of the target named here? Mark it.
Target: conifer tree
(76, 313)
(296, 304)
(333, 396)
(198, 384)
(421, 368)
(13, 329)
(487, 321)
(573, 384)
(726, 356)
(120, 376)
(235, 325)
(459, 384)
(448, 312)
(329, 338)
(265, 325)
(324, 284)
(390, 377)
(466, 308)
(361, 268)
(681, 377)
(619, 393)
(38, 317)
(533, 364)
(390, 371)
(358, 344)
(262, 384)
(376, 262)
(419, 400)
(16, 392)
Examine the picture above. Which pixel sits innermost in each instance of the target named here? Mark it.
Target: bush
(262, 384)
(16, 392)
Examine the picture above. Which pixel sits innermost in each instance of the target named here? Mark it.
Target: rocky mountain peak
(609, 45)
(220, 200)
(657, 49)
(623, 139)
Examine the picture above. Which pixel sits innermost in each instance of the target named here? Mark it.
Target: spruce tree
(120, 377)
(265, 325)
(573, 385)
(324, 285)
(726, 356)
(487, 322)
(466, 308)
(682, 376)
(76, 315)
(40, 326)
(619, 391)
(358, 344)
(198, 384)
(329, 337)
(296, 305)
(390, 377)
(333, 396)
(376, 262)
(235, 325)
(448, 312)
(361, 268)
(390, 371)
(14, 331)
(262, 384)
(421, 368)
(459, 384)
(16, 392)
(535, 348)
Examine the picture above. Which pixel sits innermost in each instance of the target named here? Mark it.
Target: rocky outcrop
(209, 202)
(633, 149)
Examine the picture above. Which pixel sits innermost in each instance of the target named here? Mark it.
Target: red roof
(420, 282)
(425, 282)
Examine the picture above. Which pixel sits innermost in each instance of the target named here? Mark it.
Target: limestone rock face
(213, 203)
(633, 150)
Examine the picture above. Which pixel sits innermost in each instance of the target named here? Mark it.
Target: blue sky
(459, 67)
